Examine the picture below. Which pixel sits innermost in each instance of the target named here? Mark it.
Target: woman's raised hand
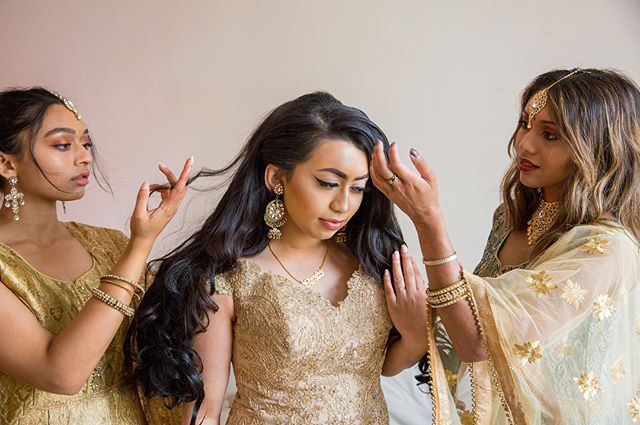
(415, 194)
(407, 297)
(147, 224)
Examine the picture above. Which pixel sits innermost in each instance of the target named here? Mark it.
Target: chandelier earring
(341, 236)
(275, 215)
(14, 199)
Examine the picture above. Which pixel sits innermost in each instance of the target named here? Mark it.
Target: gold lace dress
(300, 360)
(101, 401)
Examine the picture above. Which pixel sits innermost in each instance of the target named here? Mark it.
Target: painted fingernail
(392, 144)
(396, 254)
(386, 272)
(404, 249)
(191, 158)
(162, 164)
(413, 152)
(145, 185)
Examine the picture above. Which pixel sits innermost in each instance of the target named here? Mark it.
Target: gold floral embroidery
(595, 246)
(529, 352)
(452, 378)
(573, 294)
(634, 408)
(588, 385)
(466, 417)
(618, 370)
(541, 284)
(603, 307)
(564, 349)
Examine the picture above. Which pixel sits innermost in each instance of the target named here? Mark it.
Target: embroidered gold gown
(54, 303)
(562, 335)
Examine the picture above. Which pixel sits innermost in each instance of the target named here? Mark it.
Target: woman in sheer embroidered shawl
(548, 327)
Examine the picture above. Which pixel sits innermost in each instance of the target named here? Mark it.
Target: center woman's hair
(159, 351)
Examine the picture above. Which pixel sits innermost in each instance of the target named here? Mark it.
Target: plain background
(159, 81)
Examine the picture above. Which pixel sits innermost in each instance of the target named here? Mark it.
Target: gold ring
(401, 289)
(392, 179)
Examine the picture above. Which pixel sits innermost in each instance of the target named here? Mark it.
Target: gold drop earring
(14, 199)
(341, 236)
(275, 215)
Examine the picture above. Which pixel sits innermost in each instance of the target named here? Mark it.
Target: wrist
(140, 246)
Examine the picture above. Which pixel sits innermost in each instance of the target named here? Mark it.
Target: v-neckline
(282, 278)
(70, 227)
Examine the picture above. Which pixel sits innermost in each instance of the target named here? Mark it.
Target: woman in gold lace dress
(284, 280)
(60, 314)
(549, 324)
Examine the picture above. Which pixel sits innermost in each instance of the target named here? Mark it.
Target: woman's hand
(415, 194)
(407, 298)
(146, 224)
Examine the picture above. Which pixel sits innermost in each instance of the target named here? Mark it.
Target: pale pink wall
(158, 81)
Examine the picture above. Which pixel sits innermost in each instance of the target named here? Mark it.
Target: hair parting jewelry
(137, 287)
(67, 104)
(112, 302)
(539, 100)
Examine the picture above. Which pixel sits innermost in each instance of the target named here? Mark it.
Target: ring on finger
(400, 289)
(393, 178)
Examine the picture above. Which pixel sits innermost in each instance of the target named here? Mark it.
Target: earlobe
(272, 176)
(7, 168)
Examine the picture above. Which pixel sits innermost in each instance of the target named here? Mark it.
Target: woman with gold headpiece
(548, 326)
(65, 288)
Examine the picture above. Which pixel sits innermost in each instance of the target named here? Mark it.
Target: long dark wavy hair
(159, 354)
(22, 111)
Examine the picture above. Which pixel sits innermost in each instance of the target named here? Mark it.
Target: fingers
(407, 268)
(420, 287)
(398, 278)
(184, 175)
(379, 168)
(171, 178)
(142, 201)
(421, 166)
(397, 166)
(388, 288)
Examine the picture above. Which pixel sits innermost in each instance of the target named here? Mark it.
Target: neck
(38, 220)
(551, 194)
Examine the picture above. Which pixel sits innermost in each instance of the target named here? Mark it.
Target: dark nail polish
(413, 152)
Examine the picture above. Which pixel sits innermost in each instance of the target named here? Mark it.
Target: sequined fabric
(55, 303)
(300, 360)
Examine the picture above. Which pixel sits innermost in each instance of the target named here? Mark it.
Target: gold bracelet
(440, 261)
(447, 297)
(446, 289)
(120, 285)
(136, 285)
(450, 302)
(112, 302)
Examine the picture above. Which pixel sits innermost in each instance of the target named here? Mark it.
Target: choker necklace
(542, 219)
(311, 280)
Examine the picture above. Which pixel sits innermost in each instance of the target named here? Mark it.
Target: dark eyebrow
(549, 122)
(341, 174)
(66, 130)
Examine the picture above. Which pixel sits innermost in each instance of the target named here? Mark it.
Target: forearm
(404, 353)
(457, 318)
(73, 354)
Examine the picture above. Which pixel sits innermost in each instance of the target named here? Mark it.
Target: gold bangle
(440, 261)
(447, 297)
(120, 285)
(450, 302)
(446, 289)
(112, 302)
(136, 285)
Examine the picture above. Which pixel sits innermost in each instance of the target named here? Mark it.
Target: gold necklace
(542, 220)
(311, 280)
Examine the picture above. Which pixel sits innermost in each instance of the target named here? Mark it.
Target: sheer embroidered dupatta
(562, 338)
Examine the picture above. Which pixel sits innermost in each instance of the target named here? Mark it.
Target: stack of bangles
(134, 288)
(450, 294)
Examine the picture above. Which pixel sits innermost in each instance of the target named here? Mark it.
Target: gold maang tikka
(539, 100)
(67, 104)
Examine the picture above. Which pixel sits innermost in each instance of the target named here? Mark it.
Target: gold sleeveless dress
(102, 400)
(299, 360)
